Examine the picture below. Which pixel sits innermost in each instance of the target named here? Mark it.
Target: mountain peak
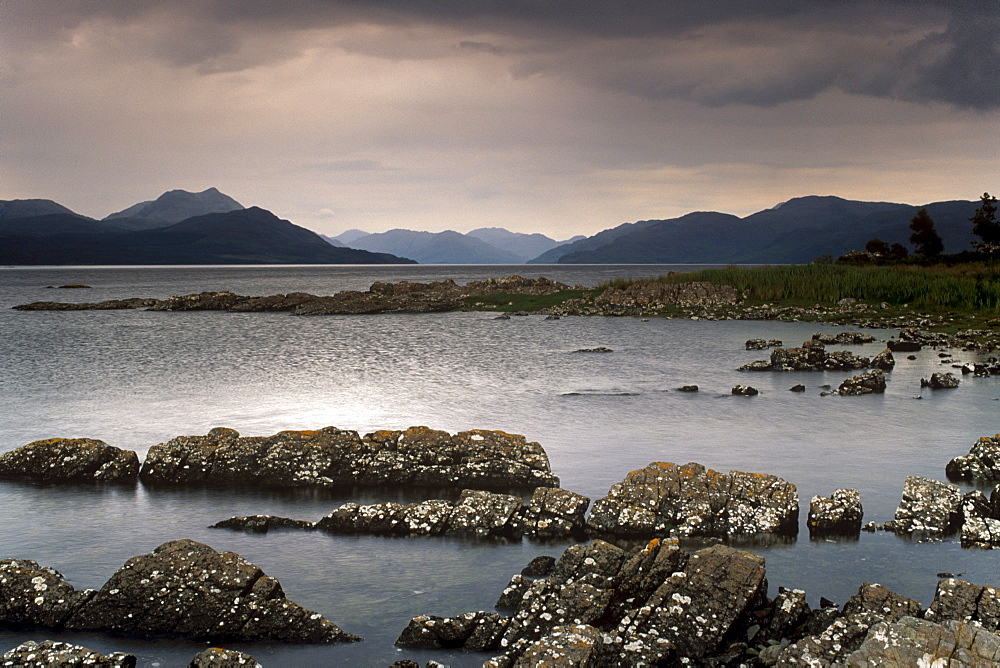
(174, 206)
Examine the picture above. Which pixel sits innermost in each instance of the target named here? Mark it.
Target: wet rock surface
(48, 653)
(838, 514)
(215, 657)
(917, 642)
(70, 460)
(182, 588)
(332, 457)
(691, 501)
(550, 513)
(982, 462)
(869, 382)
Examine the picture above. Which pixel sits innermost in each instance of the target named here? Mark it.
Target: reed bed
(974, 287)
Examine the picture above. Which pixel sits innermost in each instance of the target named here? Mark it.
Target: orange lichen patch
(301, 433)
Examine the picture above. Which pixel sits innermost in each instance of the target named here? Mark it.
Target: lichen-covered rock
(185, 588)
(70, 460)
(691, 500)
(332, 457)
(918, 642)
(579, 645)
(261, 523)
(811, 356)
(36, 596)
(539, 567)
(982, 462)
(694, 610)
(869, 382)
(553, 513)
(833, 645)
(216, 657)
(884, 360)
(928, 508)
(837, 514)
(981, 532)
(880, 600)
(940, 381)
(963, 601)
(48, 653)
(473, 631)
(762, 344)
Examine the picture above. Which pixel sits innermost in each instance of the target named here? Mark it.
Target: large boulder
(36, 596)
(962, 601)
(940, 381)
(832, 645)
(48, 653)
(70, 460)
(982, 462)
(879, 600)
(928, 508)
(330, 457)
(918, 642)
(869, 382)
(185, 588)
(691, 501)
(837, 514)
(216, 657)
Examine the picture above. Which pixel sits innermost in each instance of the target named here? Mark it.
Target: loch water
(135, 378)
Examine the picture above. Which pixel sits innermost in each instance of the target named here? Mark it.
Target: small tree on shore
(986, 227)
(877, 247)
(925, 238)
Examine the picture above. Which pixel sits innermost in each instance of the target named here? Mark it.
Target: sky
(562, 117)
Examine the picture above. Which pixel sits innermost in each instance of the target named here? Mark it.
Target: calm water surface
(136, 378)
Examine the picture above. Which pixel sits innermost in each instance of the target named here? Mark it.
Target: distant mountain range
(796, 231)
(209, 227)
(177, 228)
(487, 245)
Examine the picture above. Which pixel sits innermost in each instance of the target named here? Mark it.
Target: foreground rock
(215, 657)
(981, 464)
(692, 501)
(869, 382)
(182, 588)
(838, 514)
(333, 457)
(402, 297)
(656, 604)
(70, 460)
(47, 653)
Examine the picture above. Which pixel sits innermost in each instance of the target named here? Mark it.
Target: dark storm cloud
(925, 51)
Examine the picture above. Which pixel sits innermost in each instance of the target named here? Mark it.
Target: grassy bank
(973, 287)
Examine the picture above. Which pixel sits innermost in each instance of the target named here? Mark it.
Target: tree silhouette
(985, 226)
(925, 238)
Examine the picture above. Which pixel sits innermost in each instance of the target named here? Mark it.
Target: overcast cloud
(557, 116)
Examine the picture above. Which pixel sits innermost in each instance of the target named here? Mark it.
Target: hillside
(436, 247)
(172, 207)
(244, 236)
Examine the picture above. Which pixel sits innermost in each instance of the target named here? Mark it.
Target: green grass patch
(966, 287)
(510, 302)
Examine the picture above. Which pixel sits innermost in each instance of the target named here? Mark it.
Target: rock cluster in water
(940, 381)
(981, 464)
(182, 588)
(693, 501)
(478, 459)
(600, 605)
(418, 456)
(838, 514)
(69, 460)
(868, 382)
(551, 513)
(813, 356)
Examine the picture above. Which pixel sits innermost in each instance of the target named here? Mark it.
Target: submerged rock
(982, 462)
(745, 391)
(262, 523)
(329, 457)
(837, 514)
(47, 653)
(691, 500)
(70, 460)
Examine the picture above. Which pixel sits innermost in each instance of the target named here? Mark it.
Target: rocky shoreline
(695, 300)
